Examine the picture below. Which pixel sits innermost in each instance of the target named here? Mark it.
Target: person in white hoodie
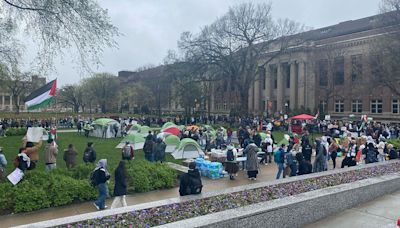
(381, 149)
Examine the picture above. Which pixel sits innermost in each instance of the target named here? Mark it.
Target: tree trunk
(16, 105)
(76, 108)
(244, 101)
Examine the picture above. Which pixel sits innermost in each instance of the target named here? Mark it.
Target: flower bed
(185, 210)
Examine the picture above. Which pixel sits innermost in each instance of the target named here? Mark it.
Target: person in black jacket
(148, 149)
(305, 166)
(307, 151)
(120, 186)
(101, 176)
(89, 155)
(190, 183)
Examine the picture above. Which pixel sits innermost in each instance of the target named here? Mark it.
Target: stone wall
(293, 211)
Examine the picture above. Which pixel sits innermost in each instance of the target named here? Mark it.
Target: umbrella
(192, 127)
(303, 117)
(172, 130)
(167, 125)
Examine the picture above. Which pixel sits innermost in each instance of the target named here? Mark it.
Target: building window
(322, 106)
(395, 106)
(356, 106)
(323, 72)
(356, 67)
(339, 106)
(339, 71)
(376, 106)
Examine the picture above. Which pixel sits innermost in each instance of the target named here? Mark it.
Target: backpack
(230, 156)
(195, 186)
(127, 152)
(93, 179)
(87, 155)
(278, 156)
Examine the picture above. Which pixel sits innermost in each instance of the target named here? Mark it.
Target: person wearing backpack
(251, 160)
(279, 158)
(99, 179)
(128, 152)
(190, 182)
(22, 161)
(148, 149)
(89, 155)
(231, 165)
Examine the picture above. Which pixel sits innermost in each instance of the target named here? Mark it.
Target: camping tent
(167, 124)
(172, 130)
(302, 117)
(135, 139)
(172, 142)
(144, 130)
(188, 148)
(181, 127)
(135, 128)
(103, 128)
(263, 136)
(285, 140)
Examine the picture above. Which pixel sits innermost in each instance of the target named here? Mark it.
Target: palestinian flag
(41, 97)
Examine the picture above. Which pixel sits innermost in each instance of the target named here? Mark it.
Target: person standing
(120, 186)
(3, 164)
(148, 149)
(159, 150)
(70, 156)
(279, 158)
(306, 150)
(50, 155)
(86, 129)
(252, 160)
(89, 155)
(32, 151)
(101, 176)
(128, 152)
(231, 165)
(333, 148)
(269, 144)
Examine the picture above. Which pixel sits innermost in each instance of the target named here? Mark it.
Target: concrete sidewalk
(382, 212)
(267, 173)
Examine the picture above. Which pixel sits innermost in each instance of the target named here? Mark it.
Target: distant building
(6, 99)
(329, 70)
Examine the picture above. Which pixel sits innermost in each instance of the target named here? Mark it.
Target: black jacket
(190, 183)
(148, 146)
(305, 167)
(120, 182)
(100, 176)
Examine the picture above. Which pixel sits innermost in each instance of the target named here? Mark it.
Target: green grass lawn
(105, 148)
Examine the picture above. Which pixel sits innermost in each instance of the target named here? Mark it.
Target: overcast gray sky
(151, 27)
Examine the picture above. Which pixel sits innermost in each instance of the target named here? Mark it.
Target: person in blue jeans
(101, 176)
(279, 158)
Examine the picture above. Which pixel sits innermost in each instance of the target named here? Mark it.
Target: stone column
(250, 99)
(2, 101)
(310, 86)
(280, 93)
(11, 103)
(301, 94)
(293, 86)
(268, 88)
(257, 95)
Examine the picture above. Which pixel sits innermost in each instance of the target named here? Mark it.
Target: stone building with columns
(6, 99)
(330, 70)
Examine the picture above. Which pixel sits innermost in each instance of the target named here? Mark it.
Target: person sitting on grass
(190, 182)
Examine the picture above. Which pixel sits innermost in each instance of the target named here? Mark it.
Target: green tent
(172, 142)
(135, 139)
(181, 127)
(188, 148)
(283, 141)
(136, 127)
(167, 124)
(209, 127)
(144, 130)
(263, 136)
(103, 121)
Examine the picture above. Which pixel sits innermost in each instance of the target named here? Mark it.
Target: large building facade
(330, 70)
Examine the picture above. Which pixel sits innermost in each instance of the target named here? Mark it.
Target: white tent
(104, 128)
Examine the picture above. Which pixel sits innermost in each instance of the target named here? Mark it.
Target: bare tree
(103, 88)
(16, 83)
(71, 95)
(236, 42)
(57, 26)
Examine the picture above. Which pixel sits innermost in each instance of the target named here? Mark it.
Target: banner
(16, 176)
(34, 134)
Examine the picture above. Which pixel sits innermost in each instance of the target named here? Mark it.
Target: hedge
(16, 131)
(39, 189)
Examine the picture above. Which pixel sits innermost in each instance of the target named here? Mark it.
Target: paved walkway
(268, 173)
(382, 212)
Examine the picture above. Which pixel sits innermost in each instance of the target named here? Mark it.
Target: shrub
(7, 196)
(16, 131)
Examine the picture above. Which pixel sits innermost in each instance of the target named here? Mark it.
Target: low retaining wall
(298, 210)
(292, 211)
